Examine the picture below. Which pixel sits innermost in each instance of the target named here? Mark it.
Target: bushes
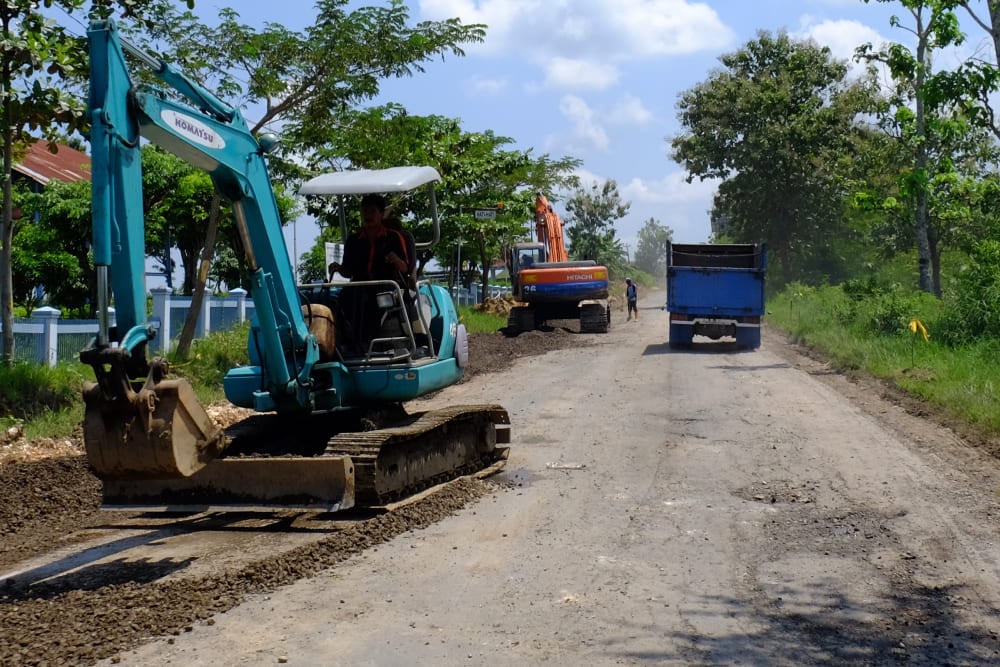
(886, 309)
(212, 357)
(31, 389)
(973, 310)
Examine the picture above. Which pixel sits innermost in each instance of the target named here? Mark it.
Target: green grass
(47, 400)
(960, 381)
(477, 321)
(55, 423)
(210, 360)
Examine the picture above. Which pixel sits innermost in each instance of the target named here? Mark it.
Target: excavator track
(270, 465)
(439, 445)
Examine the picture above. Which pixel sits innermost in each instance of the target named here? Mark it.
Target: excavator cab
(379, 316)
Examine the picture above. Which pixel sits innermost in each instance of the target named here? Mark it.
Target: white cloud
(612, 30)
(671, 189)
(484, 86)
(842, 38)
(673, 202)
(587, 124)
(589, 178)
(579, 74)
(667, 27)
(679, 205)
(629, 110)
(584, 121)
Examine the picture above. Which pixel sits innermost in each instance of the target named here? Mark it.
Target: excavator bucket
(161, 431)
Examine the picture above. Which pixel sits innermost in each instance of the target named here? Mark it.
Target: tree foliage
(54, 250)
(477, 169)
(590, 225)
(40, 63)
(308, 79)
(650, 251)
(934, 25)
(774, 123)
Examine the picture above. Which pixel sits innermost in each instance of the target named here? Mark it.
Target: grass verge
(885, 338)
(480, 321)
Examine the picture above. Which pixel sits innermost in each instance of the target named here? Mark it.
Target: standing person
(632, 297)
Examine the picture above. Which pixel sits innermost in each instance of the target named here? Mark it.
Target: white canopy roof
(364, 181)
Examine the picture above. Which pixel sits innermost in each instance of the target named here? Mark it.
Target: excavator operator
(375, 252)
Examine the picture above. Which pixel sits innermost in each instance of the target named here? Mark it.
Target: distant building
(40, 165)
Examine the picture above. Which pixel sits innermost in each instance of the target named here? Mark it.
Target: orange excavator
(549, 286)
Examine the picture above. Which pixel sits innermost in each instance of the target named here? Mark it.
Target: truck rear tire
(680, 336)
(748, 339)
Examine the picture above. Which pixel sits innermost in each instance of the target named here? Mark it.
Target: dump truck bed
(720, 280)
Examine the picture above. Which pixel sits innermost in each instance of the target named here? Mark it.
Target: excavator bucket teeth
(154, 433)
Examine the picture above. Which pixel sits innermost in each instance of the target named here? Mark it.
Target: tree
(934, 25)
(39, 62)
(303, 80)
(590, 224)
(973, 84)
(476, 168)
(650, 251)
(774, 123)
(54, 251)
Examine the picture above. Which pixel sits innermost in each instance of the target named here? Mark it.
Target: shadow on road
(698, 347)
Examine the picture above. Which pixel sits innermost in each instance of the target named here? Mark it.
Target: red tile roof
(41, 165)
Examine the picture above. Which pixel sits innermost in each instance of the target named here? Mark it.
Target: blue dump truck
(715, 290)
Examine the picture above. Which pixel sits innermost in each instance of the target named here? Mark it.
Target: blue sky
(597, 80)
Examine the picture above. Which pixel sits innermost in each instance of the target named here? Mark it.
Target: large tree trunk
(921, 223)
(7, 226)
(198, 292)
(935, 252)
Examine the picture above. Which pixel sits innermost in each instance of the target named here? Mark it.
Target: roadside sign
(334, 253)
(486, 214)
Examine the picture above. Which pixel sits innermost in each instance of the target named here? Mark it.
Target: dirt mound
(489, 353)
(498, 305)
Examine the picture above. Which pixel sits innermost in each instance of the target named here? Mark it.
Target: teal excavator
(330, 430)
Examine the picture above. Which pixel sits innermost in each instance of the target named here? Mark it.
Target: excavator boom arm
(210, 136)
(549, 230)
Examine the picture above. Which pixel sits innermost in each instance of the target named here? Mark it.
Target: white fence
(46, 338)
(472, 296)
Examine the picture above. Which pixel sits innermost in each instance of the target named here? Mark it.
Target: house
(40, 165)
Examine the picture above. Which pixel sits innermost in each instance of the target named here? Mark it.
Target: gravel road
(705, 506)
